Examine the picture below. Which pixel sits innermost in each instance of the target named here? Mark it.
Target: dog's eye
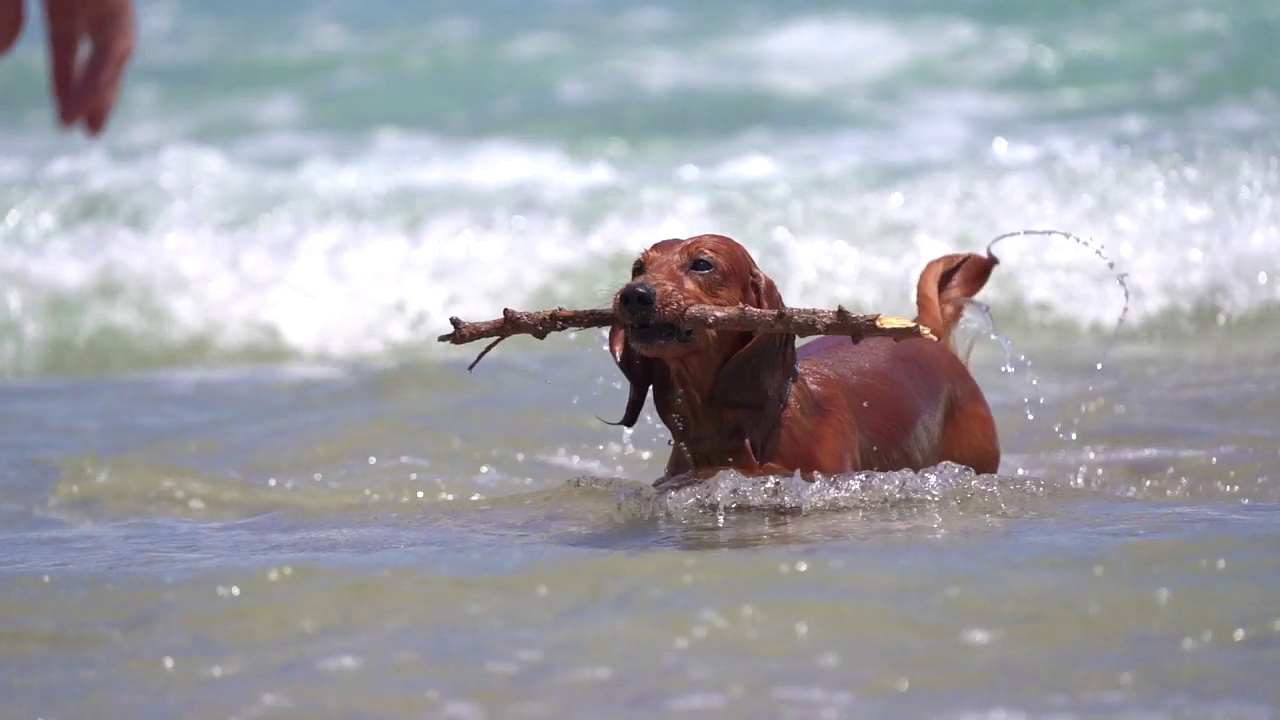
(637, 270)
(701, 265)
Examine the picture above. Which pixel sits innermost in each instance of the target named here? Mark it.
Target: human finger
(10, 23)
(112, 37)
(64, 48)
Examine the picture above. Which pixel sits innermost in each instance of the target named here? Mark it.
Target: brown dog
(754, 403)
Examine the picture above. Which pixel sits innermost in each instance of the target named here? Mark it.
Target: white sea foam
(357, 253)
(806, 56)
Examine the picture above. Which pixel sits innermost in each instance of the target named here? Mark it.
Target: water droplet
(341, 663)
(501, 667)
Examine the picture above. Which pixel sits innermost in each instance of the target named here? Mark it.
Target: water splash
(730, 491)
(984, 311)
(1097, 248)
(1013, 359)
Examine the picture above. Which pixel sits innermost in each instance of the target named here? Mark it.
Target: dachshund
(755, 403)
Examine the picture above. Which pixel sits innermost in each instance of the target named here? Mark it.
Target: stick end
(453, 337)
(892, 322)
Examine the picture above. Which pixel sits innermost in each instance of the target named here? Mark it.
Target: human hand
(10, 23)
(85, 91)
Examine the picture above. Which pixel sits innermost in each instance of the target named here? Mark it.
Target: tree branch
(802, 322)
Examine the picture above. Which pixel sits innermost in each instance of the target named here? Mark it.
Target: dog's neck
(706, 434)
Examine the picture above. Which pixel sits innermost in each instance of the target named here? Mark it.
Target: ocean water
(240, 479)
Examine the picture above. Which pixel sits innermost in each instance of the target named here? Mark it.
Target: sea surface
(239, 478)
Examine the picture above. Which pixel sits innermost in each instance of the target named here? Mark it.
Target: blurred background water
(240, 479)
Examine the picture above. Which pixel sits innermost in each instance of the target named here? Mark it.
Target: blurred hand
(10, 23)
(85, 90)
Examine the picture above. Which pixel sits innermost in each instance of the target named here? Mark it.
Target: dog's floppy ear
(758, 375)
(638, 371)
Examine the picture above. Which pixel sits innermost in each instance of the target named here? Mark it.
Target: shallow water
(356, 542)
(238, 479)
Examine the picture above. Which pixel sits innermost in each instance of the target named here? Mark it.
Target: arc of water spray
(1121, 279)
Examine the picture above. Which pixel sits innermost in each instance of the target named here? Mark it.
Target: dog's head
(666, 280)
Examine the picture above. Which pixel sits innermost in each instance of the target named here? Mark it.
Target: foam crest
(1194, 237)
(318, 250)
(194, 251)
(841, 55)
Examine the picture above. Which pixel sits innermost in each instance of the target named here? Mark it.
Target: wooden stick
(802, 322)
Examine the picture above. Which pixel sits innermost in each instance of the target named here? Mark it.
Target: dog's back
(895, 404)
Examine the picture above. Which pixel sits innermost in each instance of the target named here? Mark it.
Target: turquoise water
(240, 479)
(383, 167)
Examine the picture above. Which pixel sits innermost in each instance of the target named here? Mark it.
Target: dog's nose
(638, 299)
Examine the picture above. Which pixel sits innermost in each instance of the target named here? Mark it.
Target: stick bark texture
(802, 322)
